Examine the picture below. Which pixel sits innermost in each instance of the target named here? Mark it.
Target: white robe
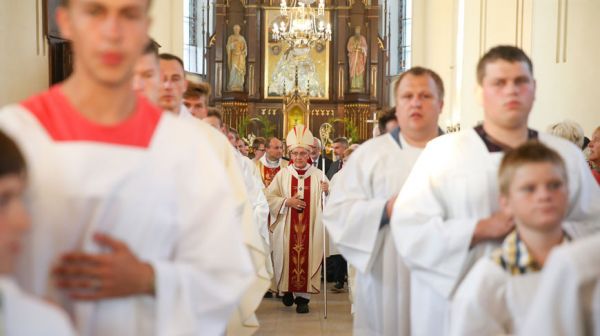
(567, 302)
(171, 203)
(24, 315)
(256, 195)
(374, 173)
(244, 321)
(451, 187)
(490, 301)
(277, 192)
(254, 208)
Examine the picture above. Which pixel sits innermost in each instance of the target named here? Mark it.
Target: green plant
(350, 129)
(267, 129)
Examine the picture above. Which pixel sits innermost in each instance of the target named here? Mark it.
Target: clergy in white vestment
(295, 201)
(357, 211)
(446, 215)
(267, 167)
(495, 296)
(567, 301)
(253, 205)
(20, 313)
(272, 162)
(244, 321)
(254, 186)
(122, 196)
(247, 189)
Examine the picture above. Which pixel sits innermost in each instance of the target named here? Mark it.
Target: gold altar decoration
(281, 60)
(296, 108)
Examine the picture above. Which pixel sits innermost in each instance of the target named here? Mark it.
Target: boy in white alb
(495, 296)
(17, 309)
(567, 302)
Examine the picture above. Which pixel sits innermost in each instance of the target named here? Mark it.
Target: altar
(341, 82)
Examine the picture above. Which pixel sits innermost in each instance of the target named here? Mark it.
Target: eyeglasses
(259, 150)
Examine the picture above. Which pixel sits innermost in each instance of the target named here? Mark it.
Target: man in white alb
(251, 202)
(123, 214)
(446, 215)
(358, 211)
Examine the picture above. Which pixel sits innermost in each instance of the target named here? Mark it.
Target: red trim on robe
(64, 123)
(299, 277)
(596, 175)
(268, 174)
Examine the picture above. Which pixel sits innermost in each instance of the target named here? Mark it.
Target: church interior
(331, 65)
(447, 36)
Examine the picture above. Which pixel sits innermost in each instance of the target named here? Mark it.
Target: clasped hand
(296, 203)
(118, 273)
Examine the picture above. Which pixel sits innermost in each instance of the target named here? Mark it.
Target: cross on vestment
(374, 120)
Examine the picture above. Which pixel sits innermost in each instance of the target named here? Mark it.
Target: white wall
(167, 25)
(23, 51)
(566, 88)
(433, 47)
(571, 88)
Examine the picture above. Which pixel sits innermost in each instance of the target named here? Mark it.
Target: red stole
(268, 174)
(299, 245)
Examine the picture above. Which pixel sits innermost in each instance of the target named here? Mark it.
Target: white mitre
(299, 136)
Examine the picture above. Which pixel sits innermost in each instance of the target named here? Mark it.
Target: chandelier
(302, 26)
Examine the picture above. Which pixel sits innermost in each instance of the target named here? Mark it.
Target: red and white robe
(267, 170)
(152, 181)
(297, 236)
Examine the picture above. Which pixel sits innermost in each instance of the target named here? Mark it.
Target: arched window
(198, 26)
(397, 27)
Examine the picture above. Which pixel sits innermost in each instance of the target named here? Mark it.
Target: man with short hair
(315, 156)
(339, 146)
(270, 163)
(388, 121)
(242, 147)
(146, 73)
(173, 85)
(447, 213)
(195, 99)
(359, 208)
(254, 217)
(295, 204)
(258, 148)
(125, 252)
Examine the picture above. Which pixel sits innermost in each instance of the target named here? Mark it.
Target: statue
(284, 77)
(357, 58)
(237, 50)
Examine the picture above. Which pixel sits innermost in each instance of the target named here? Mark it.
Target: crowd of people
(128, 206)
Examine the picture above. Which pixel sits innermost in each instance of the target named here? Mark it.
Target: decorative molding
(373, 80)
(558, 29)
(561, 31)
(323, 112)
(251, 79)
(37, 27)
(565, 26)
(482, 26)
(519, 17)
(269, 111)
(219, 75)
(341, 81)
